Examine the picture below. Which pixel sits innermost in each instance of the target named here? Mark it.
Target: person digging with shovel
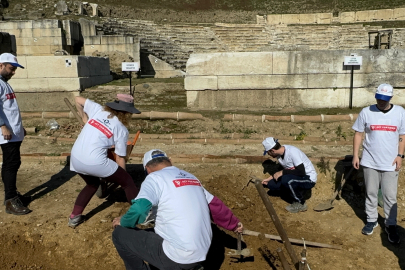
(105, 127)
(297, 174)
(182, 233)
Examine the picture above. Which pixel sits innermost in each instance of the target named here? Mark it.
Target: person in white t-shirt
(383, 148)
(11, 137)
(182, 233)
(297, 174)
(104, 128)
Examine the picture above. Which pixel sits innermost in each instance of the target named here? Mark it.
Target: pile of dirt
(116, 59)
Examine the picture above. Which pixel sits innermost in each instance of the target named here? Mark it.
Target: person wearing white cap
(383, 150)
(105, 127)
(182, 233)
(11, 137)
(297, 173)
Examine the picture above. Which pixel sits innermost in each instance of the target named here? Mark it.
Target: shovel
(328, 204)
(246, 252)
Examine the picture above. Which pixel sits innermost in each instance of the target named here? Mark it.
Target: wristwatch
(401, 156)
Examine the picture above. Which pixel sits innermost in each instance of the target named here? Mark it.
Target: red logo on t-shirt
(383, 128)
(101, 127)
(10, 96)
(186, 182)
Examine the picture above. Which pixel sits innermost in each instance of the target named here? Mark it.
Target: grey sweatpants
(389, 185)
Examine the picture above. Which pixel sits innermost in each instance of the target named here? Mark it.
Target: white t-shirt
(294, 157)
(183, 216)
(380, 145)
(10, 113)
(98, 135)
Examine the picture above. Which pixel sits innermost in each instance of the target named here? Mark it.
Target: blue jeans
(9, 169)
(136, 246)
(295, 185)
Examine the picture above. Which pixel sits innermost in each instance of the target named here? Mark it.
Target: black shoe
(26, 200)
(102, 190)
(16, 207)
(393, 236)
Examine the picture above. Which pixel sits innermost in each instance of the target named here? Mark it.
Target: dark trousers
(136, 246)
(293, 184)
(9, 169)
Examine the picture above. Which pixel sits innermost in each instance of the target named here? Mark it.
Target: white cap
(268, 144)
(154, 153)
(9, 58)
(384, 91)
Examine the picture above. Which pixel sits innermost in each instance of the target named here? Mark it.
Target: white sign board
(353, 60)
(130, 66)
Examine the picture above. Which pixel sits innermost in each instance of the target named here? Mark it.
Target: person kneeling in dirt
(182, 233)
(297, 176)
(104, 128)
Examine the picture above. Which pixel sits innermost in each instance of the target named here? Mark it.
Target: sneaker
(393, 236)
(369, 227)
(150, 218)
(75, 221)
(296, 207)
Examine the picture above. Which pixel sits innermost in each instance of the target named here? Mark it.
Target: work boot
(16, 207)
(296, 207)
(26, 200)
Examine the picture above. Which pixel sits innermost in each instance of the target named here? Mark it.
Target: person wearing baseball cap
(104, 127)
(11, 137)
(383, 150)
(182, 233)
(296, 175)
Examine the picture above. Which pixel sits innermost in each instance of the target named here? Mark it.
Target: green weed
(323, 166)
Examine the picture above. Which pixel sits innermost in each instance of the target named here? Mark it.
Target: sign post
(352, 60)
(130, 66)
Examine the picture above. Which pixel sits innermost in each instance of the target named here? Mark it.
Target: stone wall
(300, 79)
(327, 18)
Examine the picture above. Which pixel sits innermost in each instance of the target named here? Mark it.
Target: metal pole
(351, 90)
(130, 83)
(277, 223)
(284, 262)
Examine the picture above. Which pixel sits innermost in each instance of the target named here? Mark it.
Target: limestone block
(46, 32)
(334, 81)
(19, 33)
(363, 16)
(290, 18)
(163, 69)
(307, 18)
(260, 19)
(46, 24)
(79, 6)
(51, 67)
(324, 18)
(202, 64)
(61, 8)
(382, 15)
(201, 82)
(29, 85)
(92, 40)
(35, 101)
(191, 98)
(10, 25)
(286, 63)
(96, 80)
(399, 14)
(38, 50)
(40, 41)
(262, 82)
(92, 66)
(87, 27)
(116, 39)
(347, 17)
(131, 49)
(274, 19)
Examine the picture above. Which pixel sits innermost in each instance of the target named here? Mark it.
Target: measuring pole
(351, 89)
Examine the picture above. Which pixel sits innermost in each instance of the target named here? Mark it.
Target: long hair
(124, 117)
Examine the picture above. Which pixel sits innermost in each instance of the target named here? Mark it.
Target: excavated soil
(42, 239)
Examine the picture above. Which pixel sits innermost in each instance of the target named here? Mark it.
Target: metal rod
(303, 261)
(130, 83)
(351, 90)
(276, 221)
(283, 260)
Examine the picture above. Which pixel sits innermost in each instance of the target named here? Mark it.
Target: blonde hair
(124, 117)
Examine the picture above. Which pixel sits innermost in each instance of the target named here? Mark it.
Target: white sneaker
(151, 216)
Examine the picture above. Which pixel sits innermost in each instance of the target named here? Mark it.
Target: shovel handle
(239, 242)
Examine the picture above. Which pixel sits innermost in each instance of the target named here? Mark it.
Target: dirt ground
(42, 239)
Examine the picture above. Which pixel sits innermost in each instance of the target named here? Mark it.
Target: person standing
(384, 126)
(182, 233)
(105, 127)
(296, 176)
(12, 135)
